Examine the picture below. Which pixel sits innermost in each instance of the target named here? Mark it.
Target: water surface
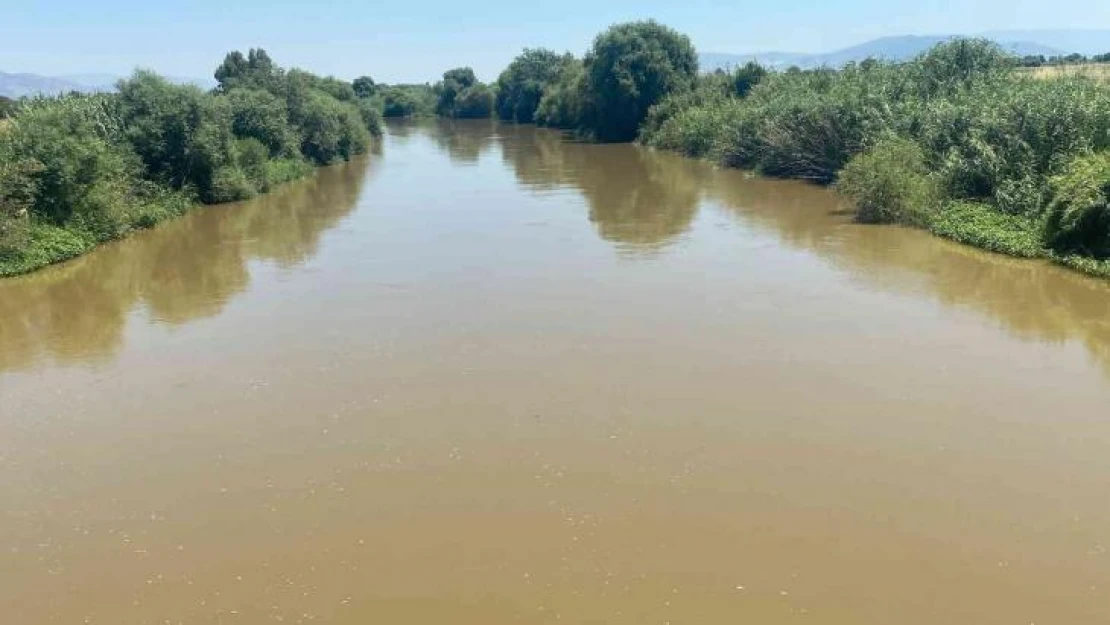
(489, 375)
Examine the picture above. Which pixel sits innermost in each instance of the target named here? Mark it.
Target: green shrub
(78, 170)
(630, 68)
(1079, 214)
(982, 226)
(371, 112)
(331, 130)
(281, 171)
(890, 183)
(260, 115)
(522, 85)
(230, 184)
(563, 103)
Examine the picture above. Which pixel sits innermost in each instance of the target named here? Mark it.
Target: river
(488, 375)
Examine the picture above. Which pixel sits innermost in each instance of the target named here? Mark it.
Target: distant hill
(1087, 42)
(19, 85)
(887, 48)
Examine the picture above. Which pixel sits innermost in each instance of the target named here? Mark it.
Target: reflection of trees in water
(639, 199)
(1033, 300)
(401, 130)
(185, 269)
(463, 140)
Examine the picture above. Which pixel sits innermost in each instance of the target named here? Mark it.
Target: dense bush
(890, 183)
(7, 107)
(460, 95)
(364, 87)
(525, 81)
(77, 170)
(629, 69)
(957, 140)
(407, 100)
(562, 104)
(1079, 214)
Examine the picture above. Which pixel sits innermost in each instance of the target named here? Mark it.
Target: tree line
(1040, 60)
(77, 170)
(958, 141)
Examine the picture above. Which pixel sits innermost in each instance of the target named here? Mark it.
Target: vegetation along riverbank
(960, 141)
(964, 141)
(78, 170)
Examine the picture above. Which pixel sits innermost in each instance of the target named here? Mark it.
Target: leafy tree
(563, 102)
(256, 70)
(182, 136)
(447, 90)
(631, 67)
(364, 87)
(460, 95)
(523, 83)
(398, 102)
(745, 78)
(7, 107)
(407, 100)
(331, 130)
(262, 116)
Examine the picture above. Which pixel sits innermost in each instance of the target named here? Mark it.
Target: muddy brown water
(491, 376)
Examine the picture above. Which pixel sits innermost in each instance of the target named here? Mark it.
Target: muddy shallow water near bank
(490, 375)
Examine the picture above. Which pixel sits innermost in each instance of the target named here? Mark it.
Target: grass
(1099, 71)
(48, 245)
(984, 227)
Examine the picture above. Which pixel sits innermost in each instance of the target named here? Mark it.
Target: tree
(260, 115)
(256, 70)
(631, 67)
(398, 102)
(523, 83)
(7, 107)
(747, 77)
(364, 87)
(563, 101)
(460, 95)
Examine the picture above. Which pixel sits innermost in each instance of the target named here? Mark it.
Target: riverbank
(958, 142)
(79, 170)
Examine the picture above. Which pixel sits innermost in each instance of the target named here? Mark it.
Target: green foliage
(890, 183)
(460, 95)
(562, 103)
(65, 164)
(261, 115)
(523, 83)
(629, 69)
(182, 135)
(956, 140)
(371, 113)
(980, 225)
(331, 130)
(408, 100)
(475, 102)
(364, 87)
(78, 170)
(256, 70)
(745, 78)
(7, 107)
(1078, 218)
(702, 110)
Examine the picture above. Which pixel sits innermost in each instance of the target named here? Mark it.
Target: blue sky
(415, 41)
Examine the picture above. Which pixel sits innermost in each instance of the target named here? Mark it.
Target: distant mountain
(19, 85)
(1087, 42)
(886, 48)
